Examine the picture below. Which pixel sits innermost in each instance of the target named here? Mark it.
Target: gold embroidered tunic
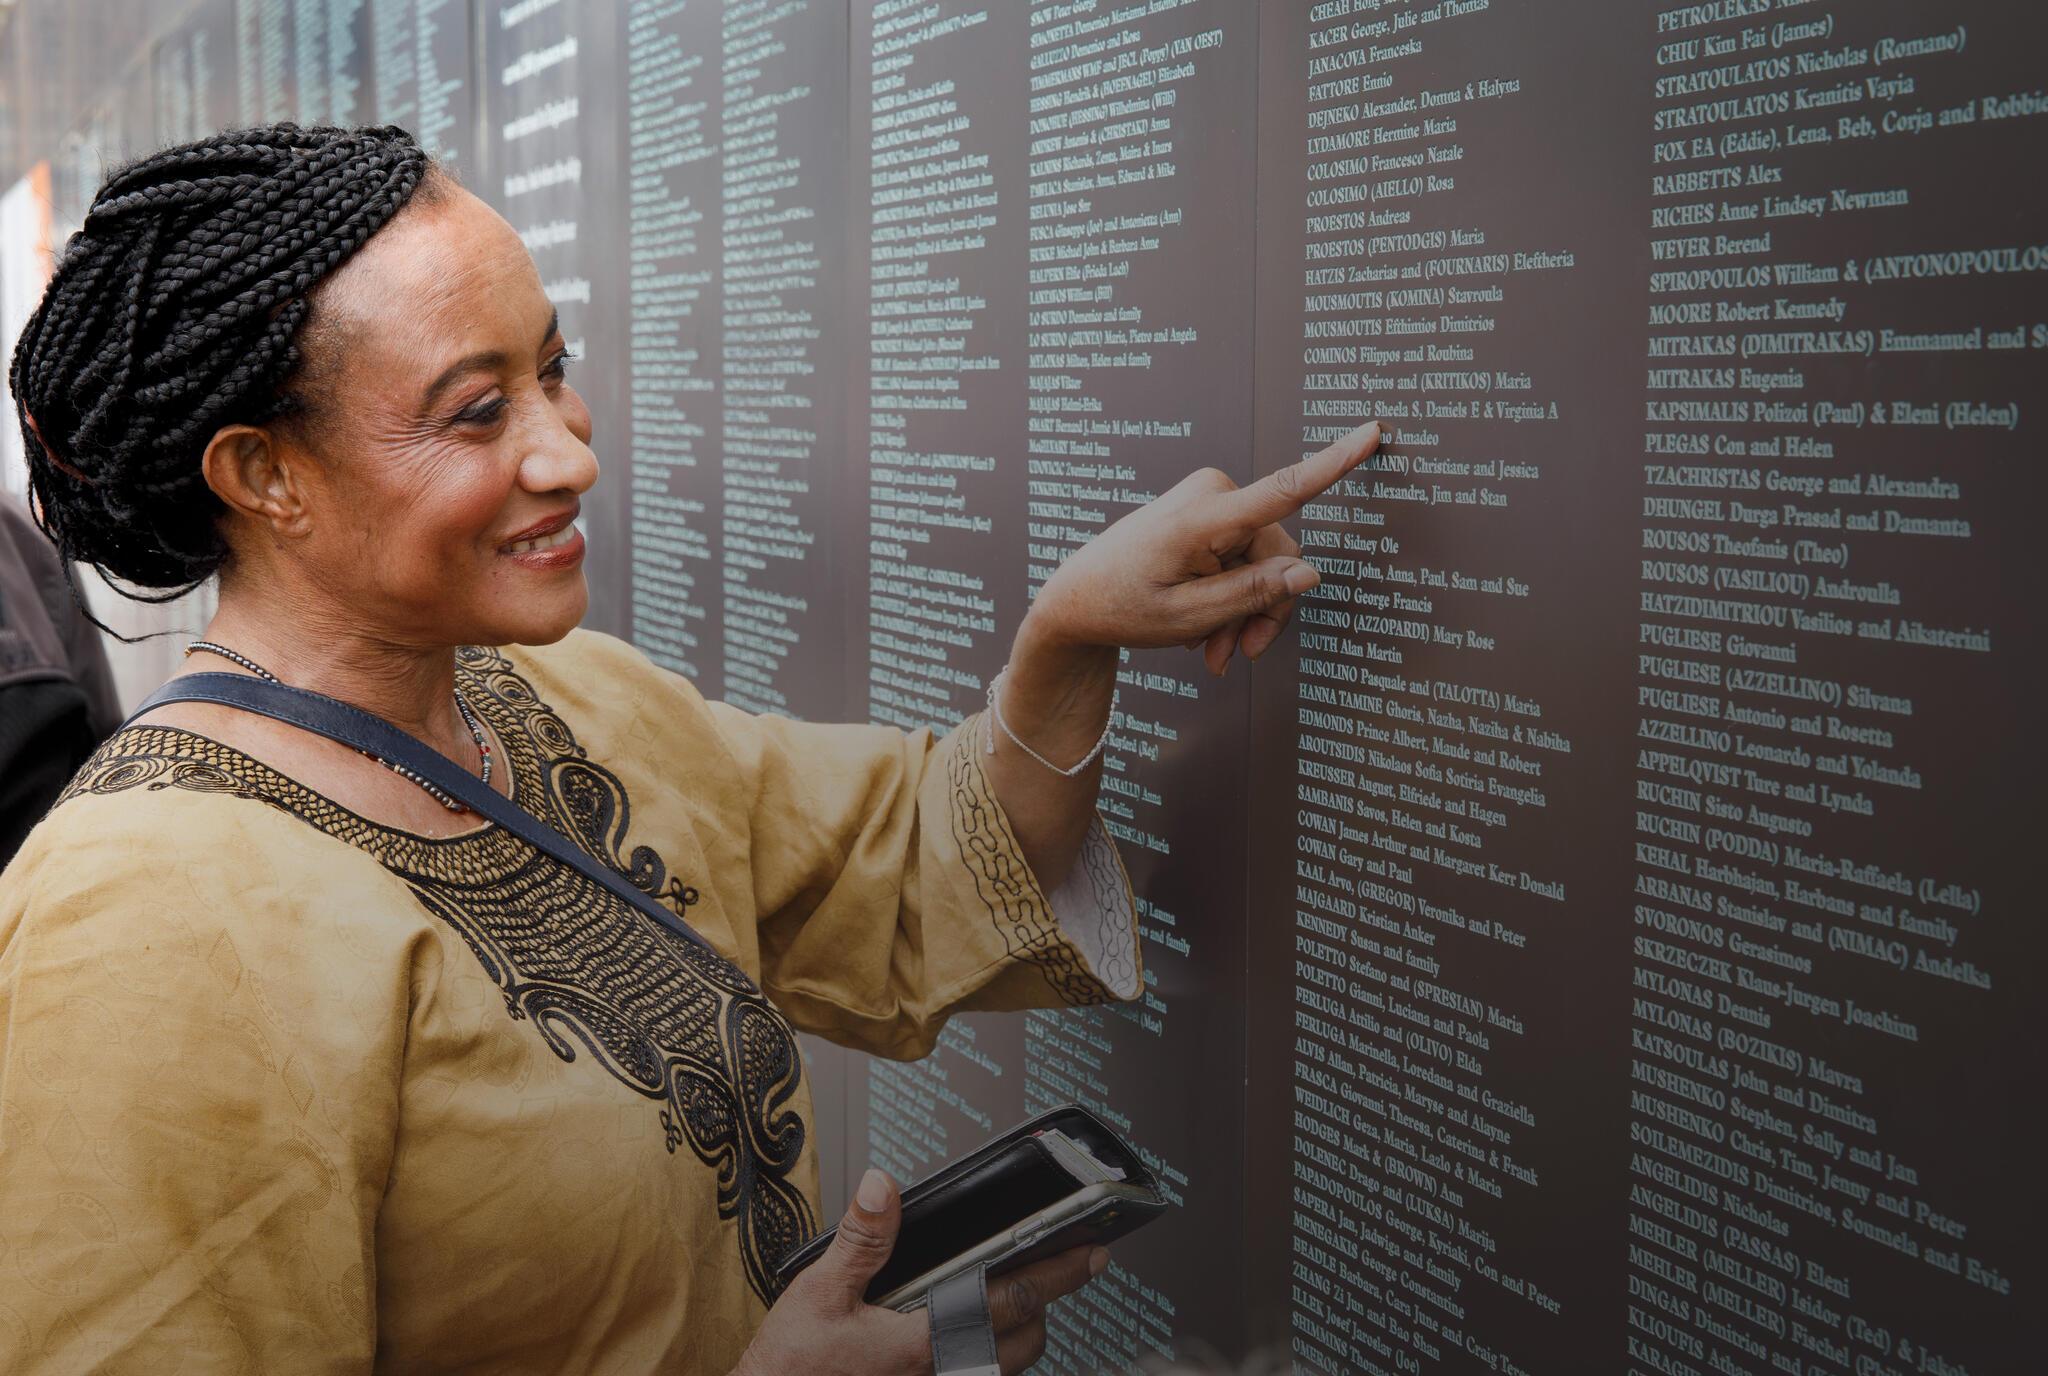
(285, 1090)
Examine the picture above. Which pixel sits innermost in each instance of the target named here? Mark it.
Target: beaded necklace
(439, 795)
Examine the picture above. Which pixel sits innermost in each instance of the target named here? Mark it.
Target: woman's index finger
(1285, 491)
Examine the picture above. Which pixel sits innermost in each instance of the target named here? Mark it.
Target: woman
(300, 1067)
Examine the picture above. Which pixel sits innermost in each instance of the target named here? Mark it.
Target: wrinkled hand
(823, 1327)
(1205, 564)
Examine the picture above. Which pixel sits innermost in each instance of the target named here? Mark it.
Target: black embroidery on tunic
(1016, 905)
(669, 1019)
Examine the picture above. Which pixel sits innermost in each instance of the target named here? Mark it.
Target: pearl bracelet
(995, 711)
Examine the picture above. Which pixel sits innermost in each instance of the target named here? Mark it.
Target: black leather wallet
(1062, 1179)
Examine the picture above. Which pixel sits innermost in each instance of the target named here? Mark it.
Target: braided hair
(177, 310)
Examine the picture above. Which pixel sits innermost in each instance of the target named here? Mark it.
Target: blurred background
(78, 95)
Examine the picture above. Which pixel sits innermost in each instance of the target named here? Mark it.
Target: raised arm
(1206, 565)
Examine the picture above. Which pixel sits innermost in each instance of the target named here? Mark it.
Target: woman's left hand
(1205, 564)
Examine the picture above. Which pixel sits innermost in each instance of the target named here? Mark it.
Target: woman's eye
(483, 412)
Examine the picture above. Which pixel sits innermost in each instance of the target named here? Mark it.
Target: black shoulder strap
(352, 726)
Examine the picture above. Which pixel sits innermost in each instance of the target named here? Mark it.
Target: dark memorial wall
(549, 103)
(419, 75)
(195, 77)
(737, 159)
(1051, 214)
(1597, 939)
(1451, 237)
(1651, 781)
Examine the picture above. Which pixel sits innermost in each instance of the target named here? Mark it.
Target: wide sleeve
(890, 891)
(198, 1090)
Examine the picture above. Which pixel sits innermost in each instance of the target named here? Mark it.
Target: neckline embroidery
(671, 1021)
(287, 793)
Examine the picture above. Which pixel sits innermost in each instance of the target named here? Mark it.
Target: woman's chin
(544, 619)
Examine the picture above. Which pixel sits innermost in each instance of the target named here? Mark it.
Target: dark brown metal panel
(1643, 795)
(1051, 228)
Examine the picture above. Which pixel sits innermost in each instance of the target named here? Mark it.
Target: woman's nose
(562, 463)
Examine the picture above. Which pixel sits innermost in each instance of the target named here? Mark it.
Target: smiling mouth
(540, 544)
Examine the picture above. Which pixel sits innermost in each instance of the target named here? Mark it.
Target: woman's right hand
(823, 1326)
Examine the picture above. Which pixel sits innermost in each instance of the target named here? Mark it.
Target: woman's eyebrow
(484, 360)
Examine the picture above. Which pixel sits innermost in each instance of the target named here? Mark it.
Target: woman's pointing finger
(1285, 491)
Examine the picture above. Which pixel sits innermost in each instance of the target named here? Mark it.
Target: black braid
(174, 312)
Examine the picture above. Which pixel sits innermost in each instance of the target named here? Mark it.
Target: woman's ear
(259, 479)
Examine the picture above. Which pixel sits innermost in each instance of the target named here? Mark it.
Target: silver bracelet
(995, 711)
